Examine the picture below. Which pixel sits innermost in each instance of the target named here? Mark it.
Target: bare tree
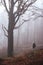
(14, 15)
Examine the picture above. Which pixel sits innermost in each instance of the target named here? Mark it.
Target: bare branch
(3, 2)
(4, 30)
(27, 20)
(22, 7)
(37, 11)
(9, 4)
(5, 6)
(15, 2)
(17, 20)
(25, 7)
(37, 8)
(22, 23)
(38, 17)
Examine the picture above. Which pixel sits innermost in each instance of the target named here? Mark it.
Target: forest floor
(35, 57)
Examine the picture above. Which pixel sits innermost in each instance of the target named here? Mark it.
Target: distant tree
(14, 15)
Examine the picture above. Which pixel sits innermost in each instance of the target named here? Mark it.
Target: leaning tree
(13, 17)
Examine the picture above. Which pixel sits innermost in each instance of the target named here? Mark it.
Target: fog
(30, 32)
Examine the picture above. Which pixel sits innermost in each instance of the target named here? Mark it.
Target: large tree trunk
(10, 41)
(10, 35)
(10, 30)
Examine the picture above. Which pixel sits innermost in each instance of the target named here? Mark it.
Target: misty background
(30, 32)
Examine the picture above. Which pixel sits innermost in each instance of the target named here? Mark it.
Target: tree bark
(10, 35)
(10, 42)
